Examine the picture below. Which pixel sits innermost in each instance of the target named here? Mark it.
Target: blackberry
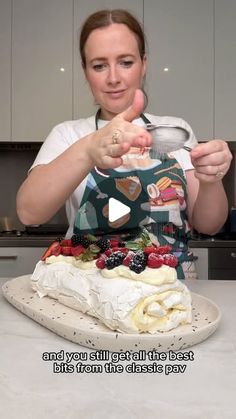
(114, 260)
(121, 244)
(79, 239)
(140, 257)
(139, 262)
(103, 243)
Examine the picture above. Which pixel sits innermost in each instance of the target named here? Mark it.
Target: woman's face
(114, 68)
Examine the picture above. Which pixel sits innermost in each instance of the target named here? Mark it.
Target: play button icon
(116, 209)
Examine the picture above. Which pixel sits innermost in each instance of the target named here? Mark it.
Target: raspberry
(108, 252)
(128, 258)
(150, 249)
(162, 250)
(114, 242)
(101, 262)
(155, 261)
(170, 260)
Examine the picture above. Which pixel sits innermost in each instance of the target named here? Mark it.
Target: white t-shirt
(67, 133)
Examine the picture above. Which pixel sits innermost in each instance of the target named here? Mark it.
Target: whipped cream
(78, 263)
(163, 275)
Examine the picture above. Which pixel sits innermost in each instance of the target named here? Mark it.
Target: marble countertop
(30, 389)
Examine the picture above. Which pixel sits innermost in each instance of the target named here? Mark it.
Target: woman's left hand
(211, 160)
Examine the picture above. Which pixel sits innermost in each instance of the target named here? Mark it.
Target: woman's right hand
(107, 145)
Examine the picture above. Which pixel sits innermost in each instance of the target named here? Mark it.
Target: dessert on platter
(131, 286)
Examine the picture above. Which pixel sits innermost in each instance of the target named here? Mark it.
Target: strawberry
(100, 262)
(66, 250)
(66, 242)
(154, 260)
(170, 260)
(56, 251)
(53, 249)
(77, 250)
(128, 258)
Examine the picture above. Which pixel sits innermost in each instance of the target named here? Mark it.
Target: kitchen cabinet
(5, 70)
(222, 263)
(83, 101)
(225, 69)
(42, 91)
(16, 261)
(181, 60)
(201, 263)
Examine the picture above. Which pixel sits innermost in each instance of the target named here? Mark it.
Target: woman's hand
(109, 144)
(211, 160)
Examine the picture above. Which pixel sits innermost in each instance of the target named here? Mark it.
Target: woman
(85, 162)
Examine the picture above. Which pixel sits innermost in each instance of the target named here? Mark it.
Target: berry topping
(155, 261)
(115, 259)
(100, 262)
(139, 262)
(162, 250)
(128, 258)
(150, 249)
(54, 249)
(170, 260)
(159, 250)
(66, 250)
(66, 242)
(114, 242)
(77, 250)
(103, 243)
(79, 239)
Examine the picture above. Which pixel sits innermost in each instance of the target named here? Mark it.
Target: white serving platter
(90, 332)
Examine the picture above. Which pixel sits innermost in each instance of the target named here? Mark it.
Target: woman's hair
(104, 18)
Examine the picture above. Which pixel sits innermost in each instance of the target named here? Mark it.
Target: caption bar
(98, 362)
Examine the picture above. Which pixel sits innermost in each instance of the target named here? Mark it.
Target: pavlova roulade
(153, 300)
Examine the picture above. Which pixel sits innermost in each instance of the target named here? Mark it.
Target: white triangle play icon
(116, 209)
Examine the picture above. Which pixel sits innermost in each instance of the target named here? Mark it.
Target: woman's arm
(207, 200)
(48, 186)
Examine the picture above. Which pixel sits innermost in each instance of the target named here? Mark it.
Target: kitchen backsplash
(15, 161)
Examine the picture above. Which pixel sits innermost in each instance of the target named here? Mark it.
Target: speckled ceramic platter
(88, 331)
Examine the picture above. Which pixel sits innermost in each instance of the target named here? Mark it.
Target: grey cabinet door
(181, 59)
(5, 70)
(42, 39)
(225, 69)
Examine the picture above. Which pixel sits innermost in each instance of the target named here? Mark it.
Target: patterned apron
(155, 191)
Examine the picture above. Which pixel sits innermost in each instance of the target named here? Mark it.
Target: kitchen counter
(212, 242)
(30, 389)
(28, 240)
(45, 240)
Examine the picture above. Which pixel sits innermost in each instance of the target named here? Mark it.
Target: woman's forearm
(48, 186)
(210, 210)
